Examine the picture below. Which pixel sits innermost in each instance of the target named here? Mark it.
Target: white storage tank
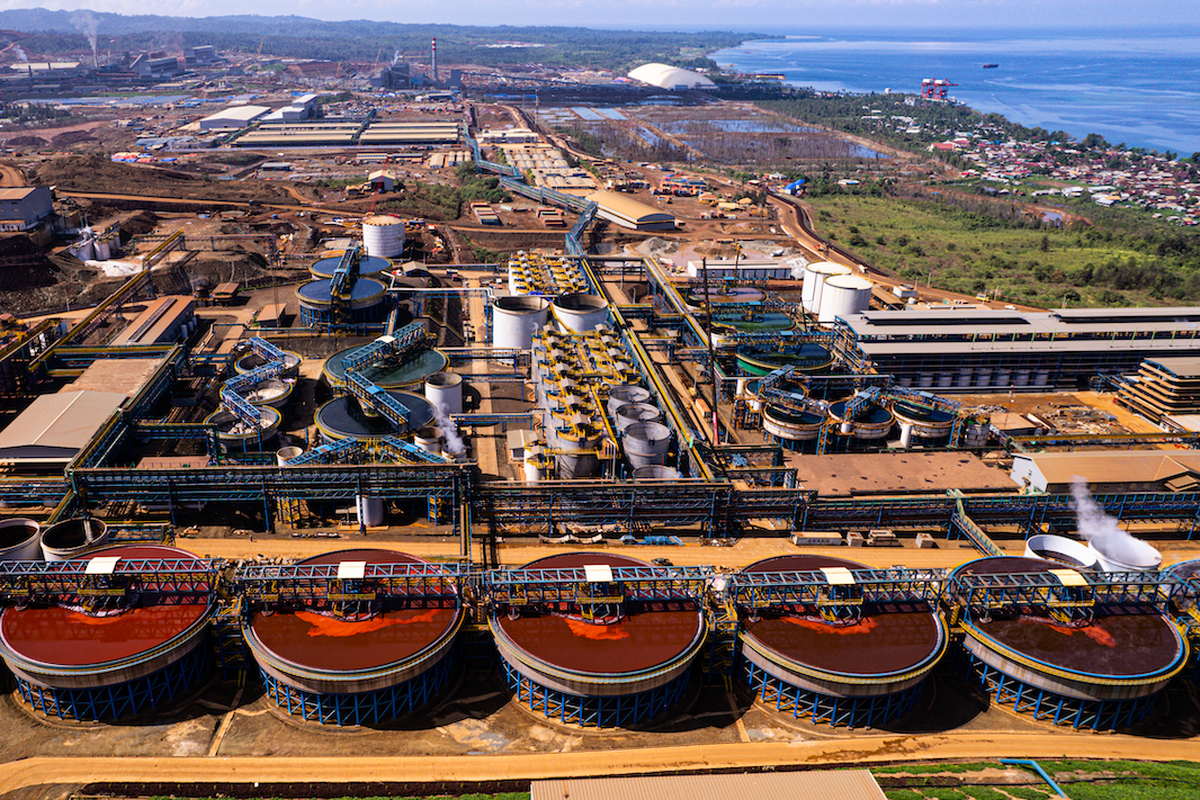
(843, 295)
(20, 540)
(72, 537)
(815, 275)
(580, 313)
(516, 319)
(383, 236)
(445, 391)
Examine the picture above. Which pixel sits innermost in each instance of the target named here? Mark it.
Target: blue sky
(760, 15)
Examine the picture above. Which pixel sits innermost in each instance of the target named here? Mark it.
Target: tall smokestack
(434, 61)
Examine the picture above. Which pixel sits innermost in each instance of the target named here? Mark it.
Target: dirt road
(10, 175)
(867, 749)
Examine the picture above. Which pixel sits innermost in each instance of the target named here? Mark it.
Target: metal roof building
(56, 427)
(970, 350)
(850, 784)
(629, 213)
(1109, 471)
(232, 117)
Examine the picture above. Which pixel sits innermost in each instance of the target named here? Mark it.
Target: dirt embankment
(91, 173)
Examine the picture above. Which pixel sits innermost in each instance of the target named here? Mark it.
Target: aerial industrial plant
(612, 473)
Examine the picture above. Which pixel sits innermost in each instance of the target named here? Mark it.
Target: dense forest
(359, 40)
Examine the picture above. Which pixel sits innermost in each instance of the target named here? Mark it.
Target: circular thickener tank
(371, 663)
(1100, 674)
(874, 422)
(20, 540)
(516, 319)
(71, 537)
(240, 437)
(860, 672)
(75, 664)
(616, 672)
(814, 278)
(270, 392)
(342, 418)
(791, 425)
(368, 265)
(580, 313)
(842, 296)
(366, 302)
(410, 371)
(763, 360)
(252, 361)
(445, 391)
(383, 236)
(927, 423)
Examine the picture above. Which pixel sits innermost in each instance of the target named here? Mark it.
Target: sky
(740, 15)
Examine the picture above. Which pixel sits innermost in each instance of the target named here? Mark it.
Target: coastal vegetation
(1003, 250)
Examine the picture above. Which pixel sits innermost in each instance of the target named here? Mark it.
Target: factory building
(1108, 471)
(740, 270)
(23, 208)
(201, 54)
(55, 427)
(974, 350)
(161, 68)
(629, 213)
(672, 79)
(233, 118)
(167, 319)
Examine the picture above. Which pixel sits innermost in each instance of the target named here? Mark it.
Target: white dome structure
(671, 78)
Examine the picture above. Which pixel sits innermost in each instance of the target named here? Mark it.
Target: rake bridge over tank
(599, 590)
(1068, 595)
(332, 585)
(836, 593)
(165, 580)
(385, 348)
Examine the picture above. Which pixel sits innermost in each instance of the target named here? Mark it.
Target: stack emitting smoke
(1117, 549)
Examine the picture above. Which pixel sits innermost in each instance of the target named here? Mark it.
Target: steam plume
(1103, 532)
(454, 443)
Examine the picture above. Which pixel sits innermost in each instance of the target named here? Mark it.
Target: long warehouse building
(975, 350)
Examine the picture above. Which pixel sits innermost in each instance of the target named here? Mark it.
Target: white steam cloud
(20, 53)
(86, 23)
(454, 443)
(1103, 532)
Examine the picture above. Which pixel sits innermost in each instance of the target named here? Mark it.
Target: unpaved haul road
(867, 749)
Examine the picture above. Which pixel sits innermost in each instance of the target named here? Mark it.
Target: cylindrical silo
(842, 296)
(814, 276)
(580, 313)
(445, 391)
(655, 473)
(285, 454)
(383, 236)
(624, 395)
(646, 444)
(633, 413)
(19, 540)
(516, 319)
(72, 537)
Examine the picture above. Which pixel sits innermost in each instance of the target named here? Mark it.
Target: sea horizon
(1137, 88)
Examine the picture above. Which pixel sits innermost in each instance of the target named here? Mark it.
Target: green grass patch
(960, 244)
(903, 794)
(1028, 792)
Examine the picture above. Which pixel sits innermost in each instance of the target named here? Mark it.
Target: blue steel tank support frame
(1043, 704)
(363, 708)
(820, 708)
(617, 711)
(124, 699)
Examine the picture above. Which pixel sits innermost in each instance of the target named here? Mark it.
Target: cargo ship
(990, 66)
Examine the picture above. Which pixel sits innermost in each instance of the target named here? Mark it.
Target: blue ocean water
(1137, 88)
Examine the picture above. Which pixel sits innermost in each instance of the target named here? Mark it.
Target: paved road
(867, 749)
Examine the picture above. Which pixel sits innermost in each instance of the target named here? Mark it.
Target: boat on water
(990, 66)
